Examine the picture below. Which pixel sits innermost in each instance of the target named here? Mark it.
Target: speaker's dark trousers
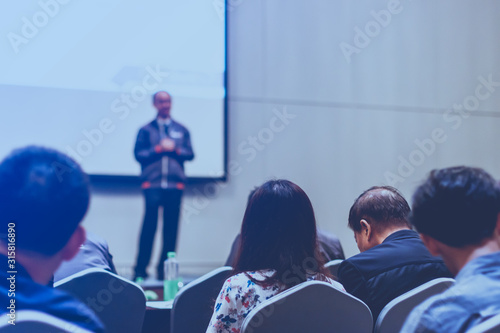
(170, 200)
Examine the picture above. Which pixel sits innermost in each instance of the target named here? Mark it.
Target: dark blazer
(386, 271)
(146, 153)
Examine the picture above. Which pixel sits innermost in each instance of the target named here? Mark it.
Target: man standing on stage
(161, 148)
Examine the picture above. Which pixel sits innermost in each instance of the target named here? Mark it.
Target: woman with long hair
(278, 250)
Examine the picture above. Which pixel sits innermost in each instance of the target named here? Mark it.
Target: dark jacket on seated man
(393, 259)
(386, 271)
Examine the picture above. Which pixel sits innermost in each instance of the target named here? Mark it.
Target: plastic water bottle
(171, 282)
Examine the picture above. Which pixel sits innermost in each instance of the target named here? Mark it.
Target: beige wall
(351, 124)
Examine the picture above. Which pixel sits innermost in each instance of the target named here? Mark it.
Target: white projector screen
(78, 76)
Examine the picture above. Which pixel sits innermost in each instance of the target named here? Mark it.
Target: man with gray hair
(393, 259)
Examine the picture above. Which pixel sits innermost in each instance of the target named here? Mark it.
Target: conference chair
(491, 325)
(194, 304)
(393, 315)
(333, 266)
(118, 302)
(311, 306)
(36, 321)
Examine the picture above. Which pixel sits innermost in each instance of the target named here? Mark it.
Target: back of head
(278, 231)
(382, 206)
(457, 206)
(45, 194)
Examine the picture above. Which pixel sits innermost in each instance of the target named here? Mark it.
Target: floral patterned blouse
(239, 296)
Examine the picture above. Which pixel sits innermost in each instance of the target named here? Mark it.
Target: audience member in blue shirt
(456, 212)
(44, 195)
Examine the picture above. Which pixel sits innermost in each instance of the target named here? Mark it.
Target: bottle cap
(171, 255)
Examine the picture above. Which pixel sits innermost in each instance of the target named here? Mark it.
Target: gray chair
(333, 266)
(491, 325)
(28, 321)
(393, 315)
(194, 304)
(118, 302)
(312, 306)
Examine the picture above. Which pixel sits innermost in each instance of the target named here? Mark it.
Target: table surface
(160, 305)
(157, 318)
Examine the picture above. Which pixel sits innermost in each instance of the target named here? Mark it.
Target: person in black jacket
(393, 259)
(161, 148)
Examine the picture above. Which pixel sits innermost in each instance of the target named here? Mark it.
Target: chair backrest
(393, 315)
(118, 302)
(311, 306)
(333, 266)
(491, 325)
(28, 321)
(194, 304)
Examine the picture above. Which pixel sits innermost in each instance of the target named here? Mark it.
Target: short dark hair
(279, 232)
(457, 206)
(156, 93)
(45, 194)
(383, 210)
